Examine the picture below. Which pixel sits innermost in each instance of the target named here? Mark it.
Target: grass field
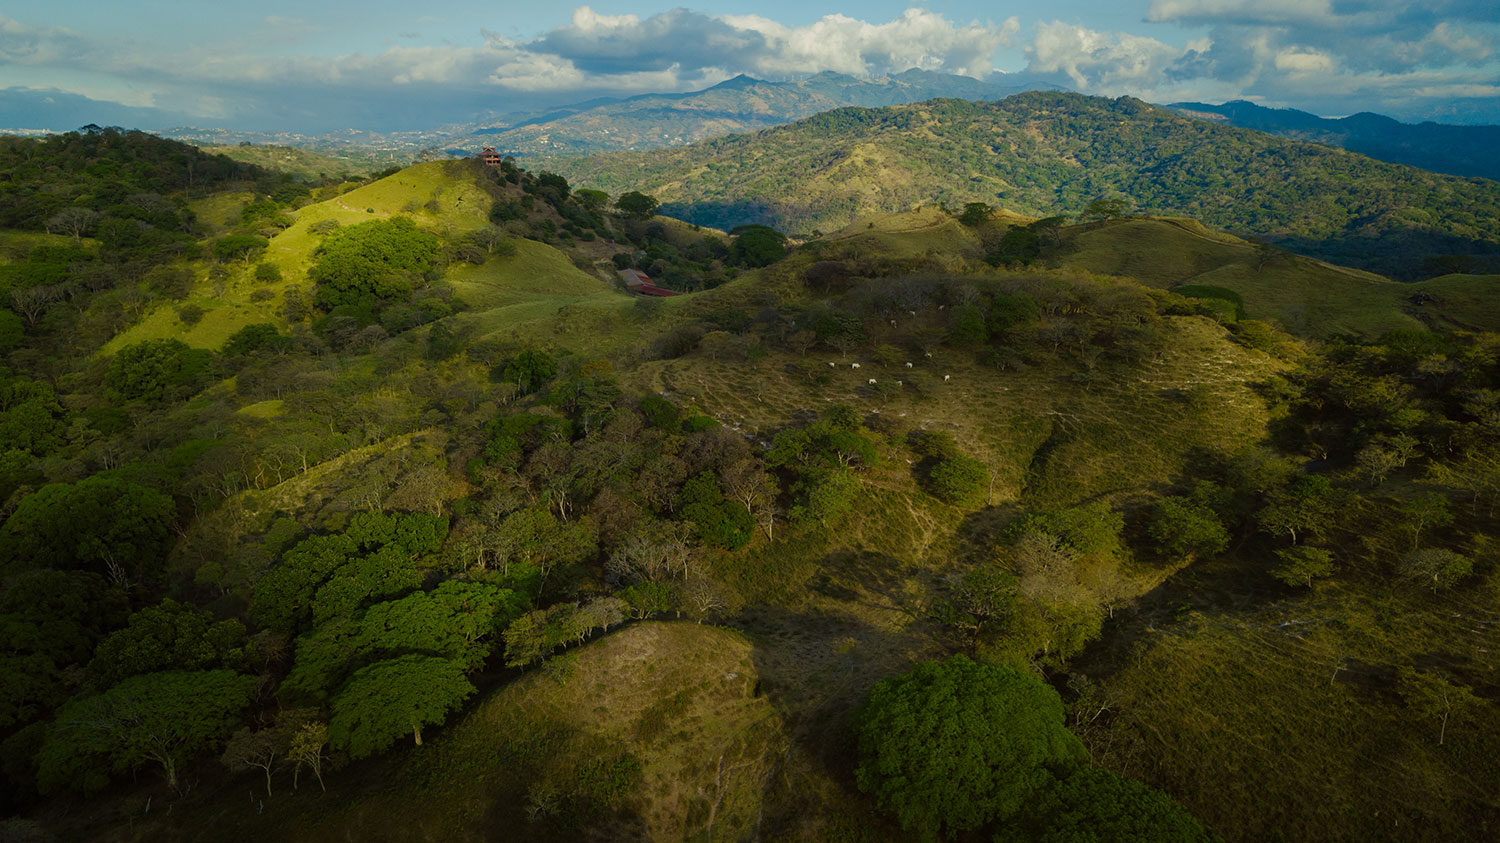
(1461, 302)
(303, 164)
(461, 206)
(1287, 708)
(1308, 297)
(538, 296)
(15, 245)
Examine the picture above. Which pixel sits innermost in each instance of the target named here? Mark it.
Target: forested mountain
(1053, 153)
(1456, 150)
(380, 509)
(737, 105)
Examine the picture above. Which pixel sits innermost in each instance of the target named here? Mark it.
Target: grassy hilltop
(471, 543)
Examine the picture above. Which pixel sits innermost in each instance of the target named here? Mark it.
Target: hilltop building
(489, 156)
(639, 283)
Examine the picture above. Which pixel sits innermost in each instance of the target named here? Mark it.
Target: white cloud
(1331, 56)
(1101, 62)
(918, 38)
(1303, 61)
(1390, 55)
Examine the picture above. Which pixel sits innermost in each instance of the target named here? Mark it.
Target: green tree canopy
(953, 745)
(1184, 527)
(168, 636)
(720, 523)
(960, 480)
(1093, 805)
(396, 697)
(373, 262)
(160, 718)
(31, 419)
(591, 199)
(156, 370)
(461, 621)
(243, 246)
(112, 527)
(976, 213)
(335, 575)
(757, 246)
(637, 204)
(1301, 564)
(530, 369)
(1105, 209)
(59, 613)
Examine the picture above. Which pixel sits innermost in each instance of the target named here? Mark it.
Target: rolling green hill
(1052, 153)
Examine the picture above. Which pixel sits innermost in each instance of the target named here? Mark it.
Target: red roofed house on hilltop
(639, 283)
(489, 156)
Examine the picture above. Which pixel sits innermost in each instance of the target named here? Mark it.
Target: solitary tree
(1183, 527)
(1435, 567)
(1301, 564)
(638, 205)
(960, 480)
(306, 750)
(1434, 697)
(976, 213)
(388, 699)
(1105, 209)
(954, 745)
(261, 749)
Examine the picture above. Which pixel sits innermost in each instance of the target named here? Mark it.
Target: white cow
(872, 381)
(908, 365)
(946, 377)
(854, 365)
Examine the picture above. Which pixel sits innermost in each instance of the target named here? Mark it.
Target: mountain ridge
(1440, 147)
(1045, 153)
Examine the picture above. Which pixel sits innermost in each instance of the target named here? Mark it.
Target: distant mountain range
(736, 105)
(1456, 150)
(647, 121)
(1045, 153)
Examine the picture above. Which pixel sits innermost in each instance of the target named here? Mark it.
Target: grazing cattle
(927, 354)
(908, 365)
(854, 365)
(945, 378)
(833, 365)
(872, 381)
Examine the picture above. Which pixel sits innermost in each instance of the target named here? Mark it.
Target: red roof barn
(640, 283)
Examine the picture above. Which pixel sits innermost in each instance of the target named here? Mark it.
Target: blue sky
(383, 64)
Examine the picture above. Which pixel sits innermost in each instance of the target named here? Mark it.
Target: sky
(388, 65)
